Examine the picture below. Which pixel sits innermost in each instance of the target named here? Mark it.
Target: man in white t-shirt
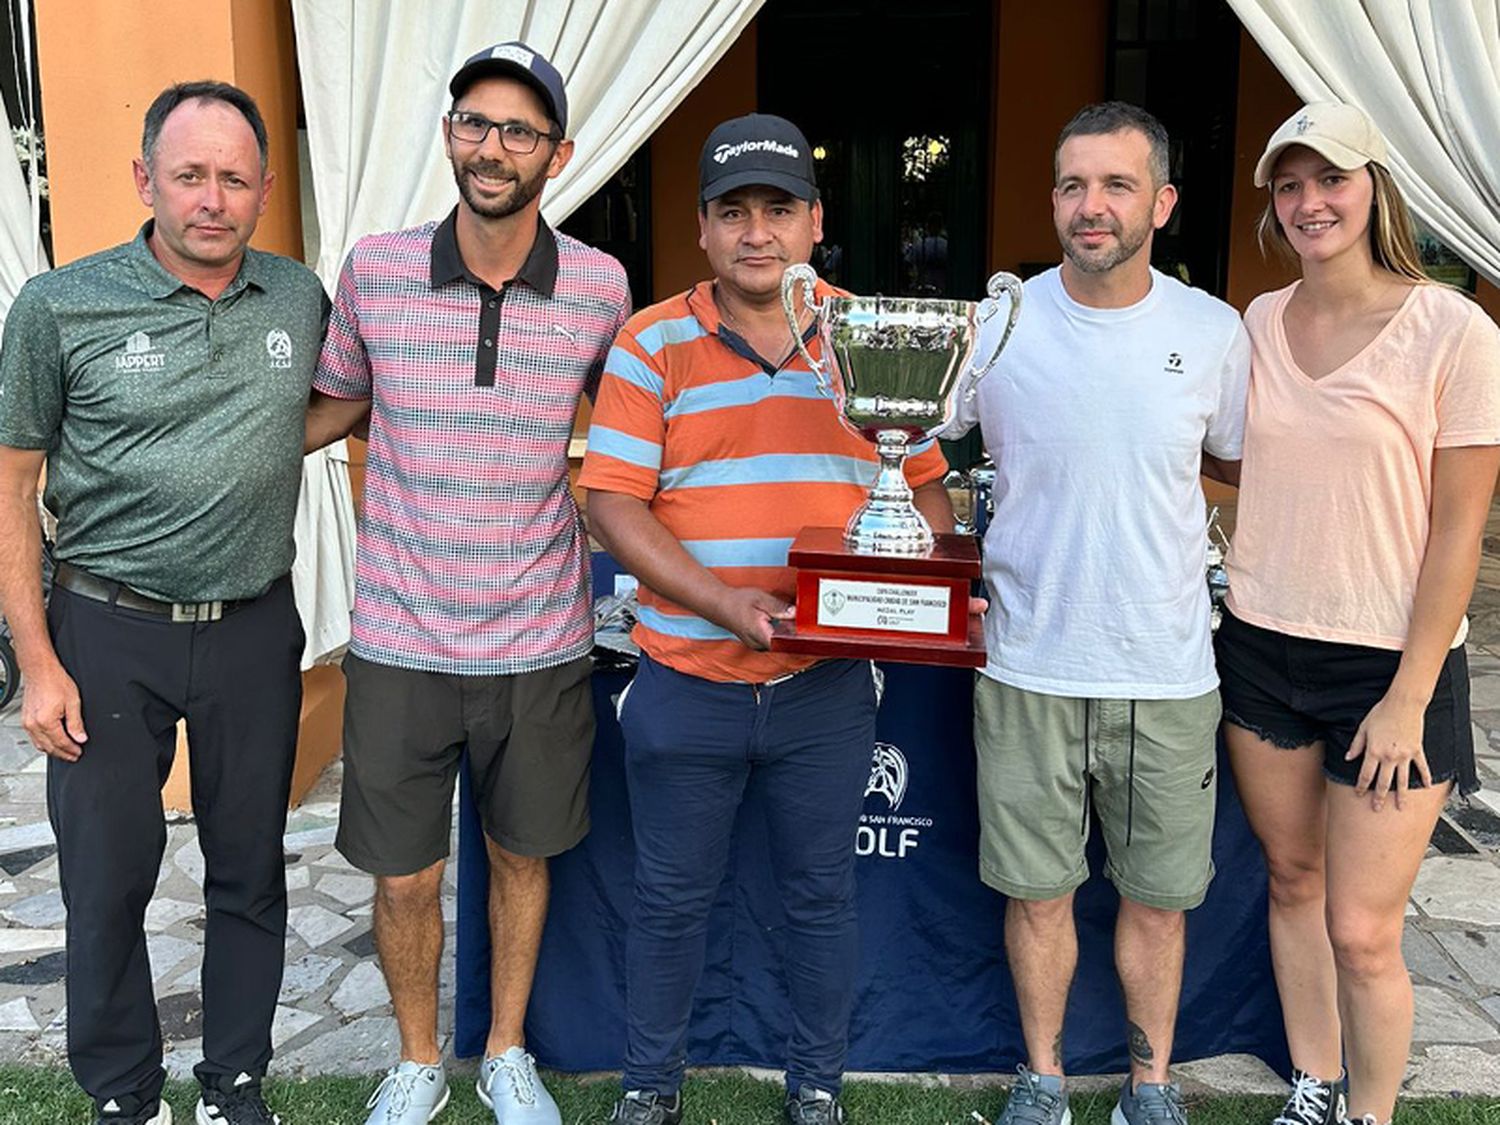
(1099, 697)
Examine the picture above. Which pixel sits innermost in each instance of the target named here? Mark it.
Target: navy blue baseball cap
(517, 60)
(757, 149)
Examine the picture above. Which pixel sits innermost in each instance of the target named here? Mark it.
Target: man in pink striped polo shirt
(469, 342)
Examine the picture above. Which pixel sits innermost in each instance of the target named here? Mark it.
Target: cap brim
(796, 185)
(489, 68)
(1339, 155)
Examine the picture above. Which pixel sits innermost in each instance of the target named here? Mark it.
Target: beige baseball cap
(1343, 134)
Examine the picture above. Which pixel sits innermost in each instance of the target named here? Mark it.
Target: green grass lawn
(48, 1097)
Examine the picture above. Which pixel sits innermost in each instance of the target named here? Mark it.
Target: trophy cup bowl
(884, 587)
(894, 368)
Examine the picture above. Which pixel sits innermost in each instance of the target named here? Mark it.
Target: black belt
(87, 585)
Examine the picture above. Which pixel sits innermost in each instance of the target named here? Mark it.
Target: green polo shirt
(173, 424)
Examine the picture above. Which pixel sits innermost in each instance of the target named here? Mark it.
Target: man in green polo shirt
(164, 383)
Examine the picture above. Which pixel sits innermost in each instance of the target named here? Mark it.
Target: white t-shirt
(1096, 420)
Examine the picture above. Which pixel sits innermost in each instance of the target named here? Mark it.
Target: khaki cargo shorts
(1145, 768)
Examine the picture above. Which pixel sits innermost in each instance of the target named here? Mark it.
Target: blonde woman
(1372, 441)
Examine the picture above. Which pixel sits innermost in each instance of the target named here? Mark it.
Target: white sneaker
(509, 1087)
(113, 1112)
(409, 1094)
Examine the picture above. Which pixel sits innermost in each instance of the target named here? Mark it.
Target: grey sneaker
(647, 1107)
(509, 1087)
(1312, 1102)
(812, 1106)
(1036, 1099)
(1150, 1103)
(409, 1094)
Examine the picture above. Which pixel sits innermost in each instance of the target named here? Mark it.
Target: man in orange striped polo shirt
(711, 447)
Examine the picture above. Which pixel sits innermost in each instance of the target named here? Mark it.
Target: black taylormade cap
(516, 60)
(756, 149)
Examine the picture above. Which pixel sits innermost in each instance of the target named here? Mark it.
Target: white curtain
(21, 251)
(1426, 72)
(374, 85)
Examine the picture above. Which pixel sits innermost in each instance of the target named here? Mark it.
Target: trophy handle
(804, 275)
(1000, 284)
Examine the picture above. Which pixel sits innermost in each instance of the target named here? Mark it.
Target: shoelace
(1308, 1104)
(817, 1108)
(638, 1107)
(1032, 1104)
(522, 1075)
(400, 1086)
(1167, 1109)
(243, 1105)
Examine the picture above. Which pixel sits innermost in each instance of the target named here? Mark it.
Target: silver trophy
(893, 367)
(1218, 576)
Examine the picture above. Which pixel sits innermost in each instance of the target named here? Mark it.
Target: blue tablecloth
(934, 993)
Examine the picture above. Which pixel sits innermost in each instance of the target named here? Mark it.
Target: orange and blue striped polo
(733, 458)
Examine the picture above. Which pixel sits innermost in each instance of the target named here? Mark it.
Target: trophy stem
(888, 523)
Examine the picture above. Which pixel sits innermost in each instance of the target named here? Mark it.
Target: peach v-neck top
(1336, 485)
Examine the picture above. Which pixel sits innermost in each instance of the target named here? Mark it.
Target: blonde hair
(1393, 240)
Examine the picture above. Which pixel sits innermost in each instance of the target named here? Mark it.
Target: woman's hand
(1390, 738)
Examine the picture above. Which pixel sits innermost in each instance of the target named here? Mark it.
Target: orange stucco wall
(102, 64)
(728, 90)
(1049, 63)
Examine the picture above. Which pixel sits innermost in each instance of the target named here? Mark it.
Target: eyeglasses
(515, 136)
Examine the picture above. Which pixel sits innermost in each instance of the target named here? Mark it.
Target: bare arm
(932, 500)
(1225, 472)
(51, 711)
(639, 542)
(1390, 738)
(329, 419)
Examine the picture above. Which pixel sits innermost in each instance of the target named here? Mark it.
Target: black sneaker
(233, 1101)
(812, 1106)
(1312, 1102)
(647, 1107)
(131, 1110)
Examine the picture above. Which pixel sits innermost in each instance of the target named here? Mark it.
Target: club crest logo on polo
(279, 348)
(140, 355)
(886, 834)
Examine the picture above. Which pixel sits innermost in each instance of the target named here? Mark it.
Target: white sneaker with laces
(409, 1094)
(509, 1087)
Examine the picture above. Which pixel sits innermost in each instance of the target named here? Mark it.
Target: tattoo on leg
(1057, 1051)
(1140, 1046)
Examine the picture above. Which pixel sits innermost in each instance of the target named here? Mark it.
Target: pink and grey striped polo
(472, 558)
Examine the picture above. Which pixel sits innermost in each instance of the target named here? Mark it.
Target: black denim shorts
(1292, 691)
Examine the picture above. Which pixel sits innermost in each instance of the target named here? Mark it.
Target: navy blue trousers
(694, 752)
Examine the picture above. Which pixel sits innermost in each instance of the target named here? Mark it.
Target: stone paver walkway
(335, 1017)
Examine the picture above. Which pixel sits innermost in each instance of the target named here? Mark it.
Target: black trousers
(236, 682)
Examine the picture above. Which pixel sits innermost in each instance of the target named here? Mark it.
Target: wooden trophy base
(913, 609)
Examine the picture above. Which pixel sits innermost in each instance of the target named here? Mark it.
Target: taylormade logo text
(725, 153)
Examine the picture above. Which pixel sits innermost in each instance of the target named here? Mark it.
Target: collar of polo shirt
(539, 270)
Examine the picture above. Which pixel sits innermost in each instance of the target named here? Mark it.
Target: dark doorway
(894, 97)
(617, 220)
(1180, 60)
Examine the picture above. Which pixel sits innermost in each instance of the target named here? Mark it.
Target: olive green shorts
(1148, 765)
